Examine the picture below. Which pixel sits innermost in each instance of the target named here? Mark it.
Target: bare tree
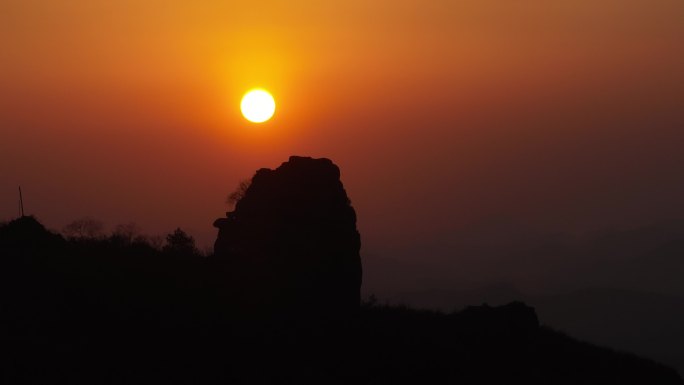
(239, 193)
(127, 232)
(156, 241)
(84, 228)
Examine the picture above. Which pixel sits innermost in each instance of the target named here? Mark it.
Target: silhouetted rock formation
(292, 242)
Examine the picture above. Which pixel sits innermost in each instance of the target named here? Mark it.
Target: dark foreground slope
(91, 312)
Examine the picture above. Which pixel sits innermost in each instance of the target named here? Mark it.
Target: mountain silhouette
(277, 303)
(292, 241)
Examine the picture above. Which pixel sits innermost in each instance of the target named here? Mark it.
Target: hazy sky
(443, 115)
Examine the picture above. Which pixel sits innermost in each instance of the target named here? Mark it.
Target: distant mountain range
(648, 324)
(621, 289)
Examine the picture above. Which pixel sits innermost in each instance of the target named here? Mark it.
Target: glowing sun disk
(257, 106)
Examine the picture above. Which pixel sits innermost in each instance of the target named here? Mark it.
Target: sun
(257, 105)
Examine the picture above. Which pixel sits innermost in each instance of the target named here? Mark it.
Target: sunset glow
(442, 115)
(185, 185)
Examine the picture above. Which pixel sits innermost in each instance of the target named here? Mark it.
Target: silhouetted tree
(155, 241)
(239, 192)
(84, 228)
(127, 233)
(180, 243)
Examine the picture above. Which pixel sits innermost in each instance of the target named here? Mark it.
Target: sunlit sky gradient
(563, 115)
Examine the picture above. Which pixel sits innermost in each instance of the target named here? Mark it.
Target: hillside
(102, 311)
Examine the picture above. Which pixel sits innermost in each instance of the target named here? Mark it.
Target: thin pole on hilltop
(21, 202)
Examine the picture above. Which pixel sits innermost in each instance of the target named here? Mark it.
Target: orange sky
(558, 115)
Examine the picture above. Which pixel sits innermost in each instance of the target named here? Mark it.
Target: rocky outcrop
(292, 242)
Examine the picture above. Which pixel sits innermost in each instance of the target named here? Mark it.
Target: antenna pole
(21, 202)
